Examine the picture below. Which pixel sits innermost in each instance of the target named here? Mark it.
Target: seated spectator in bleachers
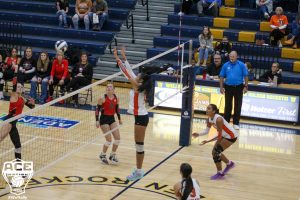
(81, 76)
(206, 46)
(186, 6)
(62, 10)
(295, 39)
(59, 75)
(214, 69)
(278, 23)
(223, 48)
(12, 63)
(251, 75)
(99, 14)
(265, 8)
(82, 9)
(209, 4)
(26, 70)
(269, 75)
(2, 67)
(42, 76)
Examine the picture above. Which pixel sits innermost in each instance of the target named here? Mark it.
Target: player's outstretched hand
(203, 142)
(120, 122)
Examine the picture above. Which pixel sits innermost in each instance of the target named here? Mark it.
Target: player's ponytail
(146, 83)
(214, 108)
(187, 182)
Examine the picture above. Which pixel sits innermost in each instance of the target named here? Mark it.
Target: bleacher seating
(242, 26)
(40, 25)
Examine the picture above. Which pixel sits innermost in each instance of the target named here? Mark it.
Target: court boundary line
(148, 172)
(83, 184)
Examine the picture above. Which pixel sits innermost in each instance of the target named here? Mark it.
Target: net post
(187, 109)
(190, 52)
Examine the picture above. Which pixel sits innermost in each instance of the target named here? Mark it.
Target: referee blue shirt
(234, 73)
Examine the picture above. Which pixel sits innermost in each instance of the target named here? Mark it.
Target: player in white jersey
(140, 85)
(227, 135)
(188, 188)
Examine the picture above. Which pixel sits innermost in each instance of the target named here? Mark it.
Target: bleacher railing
(130, 25)
(146, 3)
(10, 35)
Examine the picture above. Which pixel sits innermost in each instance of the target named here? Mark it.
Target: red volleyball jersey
(18, 106)
(109, 105)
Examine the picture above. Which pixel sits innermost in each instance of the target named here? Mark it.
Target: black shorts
(107, 119)
(231, 140)
(141, 120)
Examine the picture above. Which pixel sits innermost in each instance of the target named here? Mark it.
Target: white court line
(12, 149)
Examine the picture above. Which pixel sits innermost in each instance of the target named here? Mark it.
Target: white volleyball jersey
(137, 103)
(195, 194)
(227, 130)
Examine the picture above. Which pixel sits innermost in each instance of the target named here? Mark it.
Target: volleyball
(17, 181)
(61, 46)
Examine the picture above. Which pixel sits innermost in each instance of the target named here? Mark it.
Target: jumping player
(16, 106)
(227, 135)
(108, 106)
(140, 85)
(188, 188)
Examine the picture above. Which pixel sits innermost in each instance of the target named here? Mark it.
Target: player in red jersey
(17, 102)
(227, 135)
(108, 106)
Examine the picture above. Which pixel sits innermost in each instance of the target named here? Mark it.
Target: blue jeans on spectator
(262, 10)
(295, 29)
(86, 20)
(62, 18)
(44, 83)
(102, 19)
(203, 53)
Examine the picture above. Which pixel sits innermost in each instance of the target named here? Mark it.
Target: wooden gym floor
(267, 161)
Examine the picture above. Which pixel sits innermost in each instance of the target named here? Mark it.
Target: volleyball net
(52, 131)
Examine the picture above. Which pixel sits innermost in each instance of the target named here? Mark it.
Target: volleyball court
(51, 132)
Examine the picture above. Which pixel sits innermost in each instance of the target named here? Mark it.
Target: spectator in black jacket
(62, 7)
(82, 75)
(26, 70)
(214, 69)
(268, 76)
(42, 76)
(223, 48)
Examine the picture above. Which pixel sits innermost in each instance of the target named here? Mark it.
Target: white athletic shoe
(236, 127)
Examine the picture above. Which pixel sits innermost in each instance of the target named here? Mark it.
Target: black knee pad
(218, 149)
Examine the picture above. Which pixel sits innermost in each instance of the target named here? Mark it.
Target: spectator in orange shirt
(59, 75)
(278, 23)
(82, 9)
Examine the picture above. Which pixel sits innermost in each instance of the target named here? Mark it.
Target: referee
(235, 74)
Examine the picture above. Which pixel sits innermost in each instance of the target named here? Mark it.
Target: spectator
(59, 75)
(265, 8)
(210, 4)
(295, 39)
(223, 48)
(186, 6)
(27, 67)
(188, 188)
(12, 64)
(82, 9)
(206, 46)
(62, 10)
(214, 68)
(42, 76)
(251, 75)
(269, 75)
(235, 74)
(82, 75)
(2, 67)
(278, 23)
(99, 14)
